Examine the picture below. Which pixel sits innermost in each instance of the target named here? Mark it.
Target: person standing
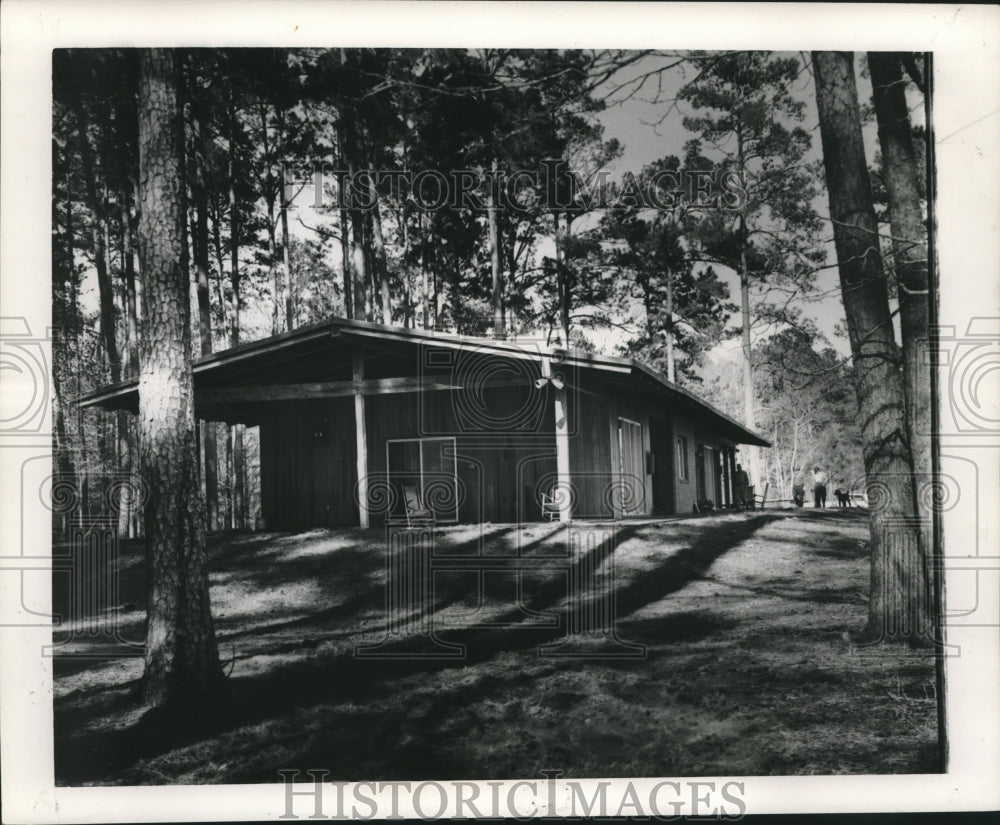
(819, 487)
(741, 486)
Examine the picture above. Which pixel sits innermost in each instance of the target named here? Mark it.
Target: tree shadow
(304, 678)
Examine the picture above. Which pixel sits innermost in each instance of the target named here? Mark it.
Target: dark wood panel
(307, 464)
(592, 465)
(498, 470)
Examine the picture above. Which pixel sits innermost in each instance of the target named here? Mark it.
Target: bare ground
(748, 667)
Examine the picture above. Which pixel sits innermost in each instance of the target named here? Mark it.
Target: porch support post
(362, 439)
(563, 480)
(732, 473)
(727, 494)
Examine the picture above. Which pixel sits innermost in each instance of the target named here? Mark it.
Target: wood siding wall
(505, 451)
(307, 461)
(686, 491)
(308, 456)
(500, 472)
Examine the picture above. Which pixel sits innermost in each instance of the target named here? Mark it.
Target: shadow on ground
(296, 605)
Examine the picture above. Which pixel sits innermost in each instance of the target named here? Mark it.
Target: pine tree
(182, 662)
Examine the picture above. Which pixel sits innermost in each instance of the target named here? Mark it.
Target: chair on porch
(550, 507)
(759, 501)
(416, 514)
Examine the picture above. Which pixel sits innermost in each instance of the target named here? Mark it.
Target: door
(633, 472)
(661, 443)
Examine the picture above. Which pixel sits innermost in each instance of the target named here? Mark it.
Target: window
(682, 458)
(430, 465)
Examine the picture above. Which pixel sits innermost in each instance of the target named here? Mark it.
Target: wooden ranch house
(361, 422)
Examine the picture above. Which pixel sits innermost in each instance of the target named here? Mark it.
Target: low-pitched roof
(321, 353)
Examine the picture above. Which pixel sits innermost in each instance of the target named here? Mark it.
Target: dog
(843, 497)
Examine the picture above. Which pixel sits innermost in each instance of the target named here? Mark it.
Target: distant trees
(807, 411)
(746, 116)
(684, 305)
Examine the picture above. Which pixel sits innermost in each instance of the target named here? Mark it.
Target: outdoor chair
(550, 508)
(758, 503)
(416, 514)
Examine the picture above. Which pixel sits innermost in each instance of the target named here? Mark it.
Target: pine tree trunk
(286, 253)
(239, 454)
(345, 265)
(371, 286)
(562, 289)
(671, 374)
(359, 266)
(60, 446)
(234, 230)
(128, 272)
(435, 299)
(751, 455)
(499, 327)
(408, 305)
(272, 255)
(381, 269)
(126, 514)
(181, 659)
(104, 288)
(201, 252)
(359, 288)
(345, 249)
(220, 266)
(425, 295)
(899, 606)
(909, 251)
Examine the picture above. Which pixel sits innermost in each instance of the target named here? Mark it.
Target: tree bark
(562, 288)
(238, 463)
(408, 305)
(286, 248)
(270, 195)
(345, 249)
(220, 267)
(358, 259)
(126, 507)
(909, 250)
(345, 264)
(899, 606)
(181, 659)
(378, 255)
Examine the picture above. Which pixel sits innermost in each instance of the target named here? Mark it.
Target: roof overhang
(316, 360)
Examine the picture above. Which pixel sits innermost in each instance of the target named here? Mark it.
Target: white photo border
(964, 40)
